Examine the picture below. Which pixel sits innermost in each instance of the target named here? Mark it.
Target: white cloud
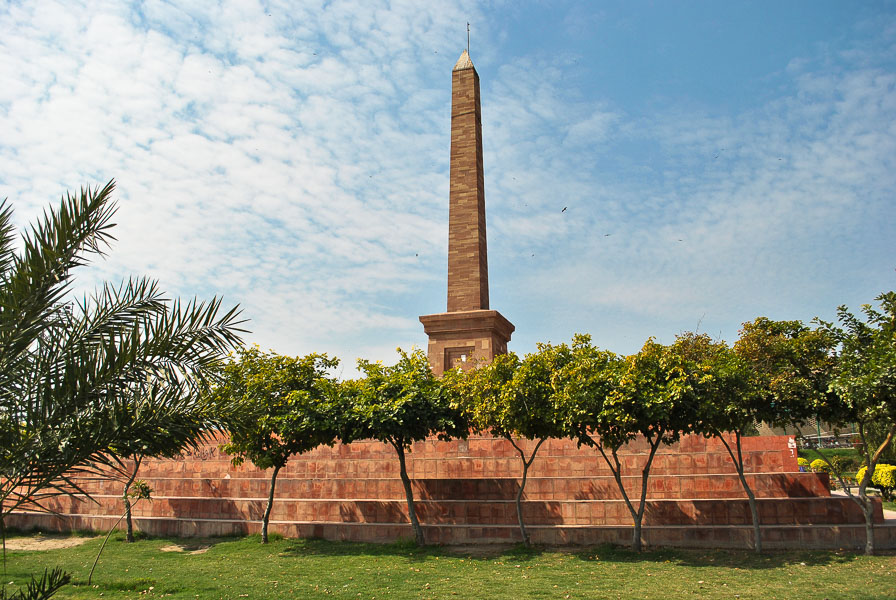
(294, 158)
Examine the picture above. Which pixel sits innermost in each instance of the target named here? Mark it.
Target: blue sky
(718, 161)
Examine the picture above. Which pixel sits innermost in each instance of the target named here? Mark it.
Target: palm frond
(7, 235)
(84, 383)
(39, 589)
(38, 279)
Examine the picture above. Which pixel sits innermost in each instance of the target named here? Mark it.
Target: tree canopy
(276, 406)
(863, 384)
(864, 379)
(400, 404)
(791, 365)
(513, 399)
(609, 401)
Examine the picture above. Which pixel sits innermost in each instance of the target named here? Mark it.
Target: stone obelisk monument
(468, 334)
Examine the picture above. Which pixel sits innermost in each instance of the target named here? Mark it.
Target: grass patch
(812, 454)
(290, 568)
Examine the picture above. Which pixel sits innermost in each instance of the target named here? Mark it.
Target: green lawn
(830, 453)
(244, 568)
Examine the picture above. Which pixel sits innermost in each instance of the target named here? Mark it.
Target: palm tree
(71, 371)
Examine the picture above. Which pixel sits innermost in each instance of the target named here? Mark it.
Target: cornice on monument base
(465, 338)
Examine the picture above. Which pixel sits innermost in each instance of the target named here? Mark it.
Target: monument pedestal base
(465, 338)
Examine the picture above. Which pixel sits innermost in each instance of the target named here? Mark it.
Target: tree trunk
(868, 510)
(519, 494)
(754, 512)
(862, 499)
(3, 534)
(127, 518)
(127, 500)
(409, 494)
(616, 469)
(102, 546)
(645, 474)
(739, 466)
(267, 509)
(871, 460)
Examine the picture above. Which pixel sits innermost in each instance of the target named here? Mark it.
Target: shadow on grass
(410, 550)
(740, 559)
(305, 547)
(173, 544)
(407, 548)
(607, 553)
(12, 532)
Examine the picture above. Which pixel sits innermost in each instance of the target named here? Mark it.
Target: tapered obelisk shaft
(469, 333)
(467, 254)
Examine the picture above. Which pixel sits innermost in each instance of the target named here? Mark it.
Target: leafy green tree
(69, 368)
(864, 388)
(777, 373)
(610, 402)
(732, 386)
(791, 364)
(278, 406)
(875, 434)
(138, 490)
(399, 405)
(728, 403)
(513, 399)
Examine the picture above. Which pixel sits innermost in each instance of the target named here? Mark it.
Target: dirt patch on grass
(189, 548)
(45, 542)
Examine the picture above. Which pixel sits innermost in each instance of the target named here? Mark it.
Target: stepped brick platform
(466, 489)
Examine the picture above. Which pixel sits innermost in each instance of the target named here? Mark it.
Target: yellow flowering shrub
(819, 466)
(884, 479)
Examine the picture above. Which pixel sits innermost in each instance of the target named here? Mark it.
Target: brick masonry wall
(465, 492)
